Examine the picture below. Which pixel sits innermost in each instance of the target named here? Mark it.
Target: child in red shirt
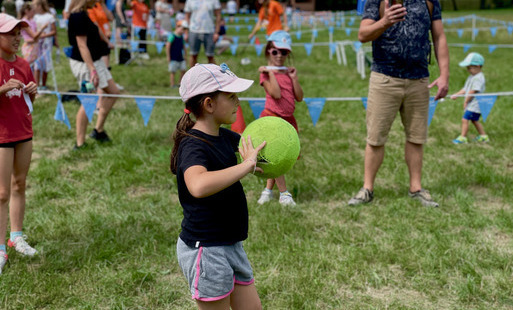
(17, 91)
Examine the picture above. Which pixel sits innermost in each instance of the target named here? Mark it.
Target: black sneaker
(100, 136)
(78, 148)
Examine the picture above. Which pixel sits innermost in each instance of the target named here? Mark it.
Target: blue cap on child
(472, 59)
(281, 40)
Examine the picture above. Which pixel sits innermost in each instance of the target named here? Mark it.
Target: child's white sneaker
(3, 260)
(286, 199)
(265, 197)
(21, 246)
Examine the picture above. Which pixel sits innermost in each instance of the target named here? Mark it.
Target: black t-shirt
(219, 219)
(80, 24)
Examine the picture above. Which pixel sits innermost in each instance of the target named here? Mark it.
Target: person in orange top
(270, 14)
(139, 20)
(102, 16)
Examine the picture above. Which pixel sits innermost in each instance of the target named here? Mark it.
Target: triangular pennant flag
(60, 113)
(314, 33)
(357, 45)
(466, 47)
(331, 29)
(89, 104)
(308, 48)
(246, 20)
(462, 20)
(256, 19)
(235, 40)
(298, 34)
(348, 31)
(257, 106)
(159, 45)
(493, 31)
(491, 48)
(236, 19)
(510, 30)
(338, 23)
(249, 27)
(152, 33)
(333, 47)
(233, 48)
(485, 105)
(432, 108)
(449, 22)
(145, 107)
(364, 101)
(460, 32)
(258, 48)
(237, 28)
(315, 106)
(252, 40)
(326, 22)
(351, 21)
(476, 31)
(134, 45)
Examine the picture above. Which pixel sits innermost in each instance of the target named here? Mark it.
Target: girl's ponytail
(185, 123)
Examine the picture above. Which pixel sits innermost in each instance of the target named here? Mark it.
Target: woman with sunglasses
(282, 90)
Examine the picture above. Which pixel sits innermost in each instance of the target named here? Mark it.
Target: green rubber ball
(282, 145)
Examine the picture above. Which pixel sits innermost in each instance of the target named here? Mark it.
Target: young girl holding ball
(282, 90)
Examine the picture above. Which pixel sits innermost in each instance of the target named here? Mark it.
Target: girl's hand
(263, 69)
(94, 78)
(12, 84)
(454, 97)
(30, 89)
(292, 72)
(249, 153)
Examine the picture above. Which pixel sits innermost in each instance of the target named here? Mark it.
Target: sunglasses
(275, 52)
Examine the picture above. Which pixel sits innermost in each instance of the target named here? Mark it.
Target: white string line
(48, 92)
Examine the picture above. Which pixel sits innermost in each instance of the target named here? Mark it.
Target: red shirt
(286, 105)
(141, 12)
(15, 117)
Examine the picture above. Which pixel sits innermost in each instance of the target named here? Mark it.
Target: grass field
(106, 219)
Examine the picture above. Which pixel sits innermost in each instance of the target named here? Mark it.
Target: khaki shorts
(81, 72)
(389, 95)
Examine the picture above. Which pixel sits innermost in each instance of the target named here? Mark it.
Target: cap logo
(225, 69)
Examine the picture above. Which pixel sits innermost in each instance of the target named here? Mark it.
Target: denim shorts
(471, 116)
(174, 66)
(195, 41)
(212, 272)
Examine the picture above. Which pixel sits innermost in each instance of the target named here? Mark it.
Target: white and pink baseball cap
(208, 78)
(8, 23)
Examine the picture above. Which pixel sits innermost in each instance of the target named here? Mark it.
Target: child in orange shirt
(140, 23)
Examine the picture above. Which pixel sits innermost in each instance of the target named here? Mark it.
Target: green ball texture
(282, 145)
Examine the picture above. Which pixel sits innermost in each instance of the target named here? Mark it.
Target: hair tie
(186, 111)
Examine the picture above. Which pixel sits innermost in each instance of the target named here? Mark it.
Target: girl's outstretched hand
(31, 88)
(249, 153)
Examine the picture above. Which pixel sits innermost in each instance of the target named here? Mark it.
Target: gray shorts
(195, 41)
(174, 66)
(213, 271)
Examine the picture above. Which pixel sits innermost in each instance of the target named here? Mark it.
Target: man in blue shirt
(399, 82)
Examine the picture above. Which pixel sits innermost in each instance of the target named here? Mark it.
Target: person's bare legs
(280, 183)
(211, 60)
(22, 157)
(464, 127)
(222, 304)
(245, 297)
(194, 60)
(6, 168)
(413, 154)
(479, 127)
(106, 104)
(36, 76)
(270, 184)
(44, 78)
(373, 159)
(81, 126)
(172, 79)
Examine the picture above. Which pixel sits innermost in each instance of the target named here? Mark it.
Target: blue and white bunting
(257, 106)
(333, 47)
(315, 106)
(364, 102)
(460, 32)
(233, 48)
(298, 34)
(250, 27)
(60, 113)
(432, 108)
(159, 45)
(314, 33)
(348, 31)
(331, 29)
(466, 47)
(510, 30)
(258, 49)
(476, 32)
(492, 48)
(308, 48)
(237, 28)
(357, 45)
(145, 107)
(493, 31)
(235, 40)
(485, 105)
(89, 103)
(134, 45)
(351, 21)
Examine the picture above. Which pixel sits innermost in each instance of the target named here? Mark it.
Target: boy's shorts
(174, 66)
(471, 116)
(212, 272)
(195, 40)
(389, 95)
